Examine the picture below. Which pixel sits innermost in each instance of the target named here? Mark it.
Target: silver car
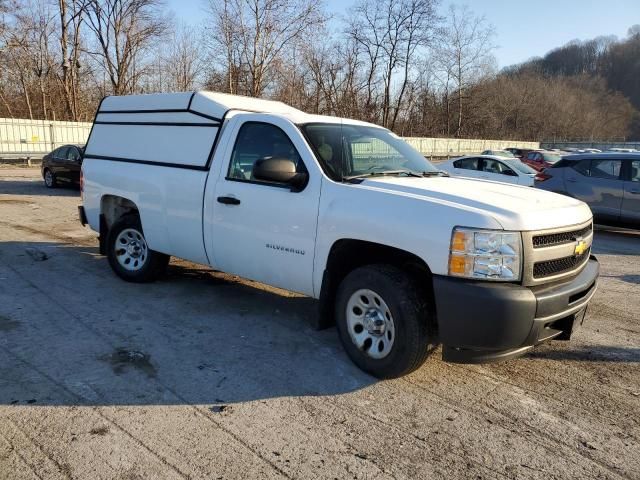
(490, 167)
(608, 182)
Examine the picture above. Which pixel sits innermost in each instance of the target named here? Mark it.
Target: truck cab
(400, 256)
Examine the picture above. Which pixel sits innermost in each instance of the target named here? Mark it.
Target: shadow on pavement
(625, 278)
(36, 187)
(72, 333)
(590, 354)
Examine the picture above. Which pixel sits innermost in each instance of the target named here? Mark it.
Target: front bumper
(483, 322)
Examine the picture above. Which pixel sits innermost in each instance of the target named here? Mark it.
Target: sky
(524, 28)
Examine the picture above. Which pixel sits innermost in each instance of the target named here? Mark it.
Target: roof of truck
(206, 105)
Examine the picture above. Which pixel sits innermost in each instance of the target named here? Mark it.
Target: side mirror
(510, 173)
(279, 170)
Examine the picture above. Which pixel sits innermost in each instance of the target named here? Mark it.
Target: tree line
(408, 65)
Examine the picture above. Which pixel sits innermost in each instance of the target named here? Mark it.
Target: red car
(541, 159)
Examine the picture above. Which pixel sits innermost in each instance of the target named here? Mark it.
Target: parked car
(499, 153)
(490, 167)
(518, 152)
(400, 256)
(62, 165)
(608, 182)
(541, 159)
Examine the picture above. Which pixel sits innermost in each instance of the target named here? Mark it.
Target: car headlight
(485, 254)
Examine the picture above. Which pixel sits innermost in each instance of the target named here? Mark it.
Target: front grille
(552, 239)
(558, 265)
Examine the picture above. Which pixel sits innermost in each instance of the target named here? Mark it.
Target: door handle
(571, 179)
(635, 191)
(229, 200)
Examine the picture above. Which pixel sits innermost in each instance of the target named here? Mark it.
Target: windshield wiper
(408, 173)
(436, 173)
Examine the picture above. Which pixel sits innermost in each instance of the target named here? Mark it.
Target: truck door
(264, 231)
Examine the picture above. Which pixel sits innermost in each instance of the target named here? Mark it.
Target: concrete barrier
(457, 147)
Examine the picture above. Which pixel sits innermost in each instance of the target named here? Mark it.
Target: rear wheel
(383, 321)
(49, 179)
(128, 252)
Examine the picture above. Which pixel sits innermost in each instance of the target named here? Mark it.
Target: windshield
(353, 150)
(551, 157)
(521, 167)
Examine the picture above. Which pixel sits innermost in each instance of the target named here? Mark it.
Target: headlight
(485, 254)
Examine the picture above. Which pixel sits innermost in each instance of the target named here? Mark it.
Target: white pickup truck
(401, 256)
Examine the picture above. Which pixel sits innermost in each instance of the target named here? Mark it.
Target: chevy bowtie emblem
(580, 248)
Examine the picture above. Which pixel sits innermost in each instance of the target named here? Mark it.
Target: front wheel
(49, 179)
(384, 321)
(128, 252)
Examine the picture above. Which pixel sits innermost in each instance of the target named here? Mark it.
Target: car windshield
(551, 157)
(346, 151)
(521, 167)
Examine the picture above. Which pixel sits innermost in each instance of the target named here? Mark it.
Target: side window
(60, 153)
(606, 169)
(492, 166)
(73, 154)
(582, 167)
(257, 141)
(635, 171)
(531, 156)
(466, 163)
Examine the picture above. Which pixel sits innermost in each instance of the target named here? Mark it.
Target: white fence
(453, 147)
(34, 138)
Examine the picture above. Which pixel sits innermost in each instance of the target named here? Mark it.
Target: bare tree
(124, 31)
(391, 33)
(183, 64)
(71, 13)
(27, 46)
(255, 34)
(464, 53)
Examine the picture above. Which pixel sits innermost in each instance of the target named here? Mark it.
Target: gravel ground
(204, 375)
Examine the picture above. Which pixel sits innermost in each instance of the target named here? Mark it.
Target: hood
(512, 206)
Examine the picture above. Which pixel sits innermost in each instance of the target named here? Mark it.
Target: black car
(62, 165)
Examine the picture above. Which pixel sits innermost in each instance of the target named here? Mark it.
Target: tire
(49, 179)
(407, 337)
(129, 256)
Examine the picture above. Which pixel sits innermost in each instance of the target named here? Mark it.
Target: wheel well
(346, 255)
(112, 207)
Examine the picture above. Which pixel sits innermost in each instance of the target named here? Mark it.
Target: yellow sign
(581, 247)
